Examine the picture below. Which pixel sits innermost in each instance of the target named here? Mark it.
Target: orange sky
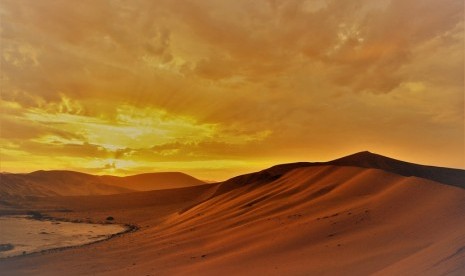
(215, 88)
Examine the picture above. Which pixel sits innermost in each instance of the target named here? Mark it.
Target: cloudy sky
(215, 88)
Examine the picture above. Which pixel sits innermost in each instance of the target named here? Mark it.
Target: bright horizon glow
(219, 88)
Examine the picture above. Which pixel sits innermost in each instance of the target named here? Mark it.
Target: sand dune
(153, 181)
(69, 183)
(326, 220)
(363, 159)
(291, 219)
(367, 159)
(50, 183)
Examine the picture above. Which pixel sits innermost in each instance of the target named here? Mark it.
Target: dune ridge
(367, 159)
(364, 159)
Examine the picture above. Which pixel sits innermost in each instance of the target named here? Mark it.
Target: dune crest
(365, 159)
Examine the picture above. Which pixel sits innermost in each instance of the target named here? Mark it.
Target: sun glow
(218, 88)
(130, 140)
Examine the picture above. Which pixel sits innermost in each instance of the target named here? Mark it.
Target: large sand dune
(289, 220)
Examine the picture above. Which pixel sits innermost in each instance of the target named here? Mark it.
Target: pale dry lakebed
(21, 235)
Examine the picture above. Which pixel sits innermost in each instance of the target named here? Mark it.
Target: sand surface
(22, 235)
(322, 220)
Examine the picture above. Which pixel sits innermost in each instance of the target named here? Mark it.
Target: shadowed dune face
(367, 159)
(320, 220)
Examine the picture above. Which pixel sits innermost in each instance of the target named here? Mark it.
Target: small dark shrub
(6, 247)
(35, 215)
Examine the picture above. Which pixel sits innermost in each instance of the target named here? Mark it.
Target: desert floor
(321, 220)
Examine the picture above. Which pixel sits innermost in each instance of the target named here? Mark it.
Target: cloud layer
(216, 88)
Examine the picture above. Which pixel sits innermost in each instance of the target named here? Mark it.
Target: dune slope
(319, 220)
(365, 159)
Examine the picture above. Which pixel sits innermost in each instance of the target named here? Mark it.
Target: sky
(216, 88)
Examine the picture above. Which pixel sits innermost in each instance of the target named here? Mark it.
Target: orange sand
(321, 220)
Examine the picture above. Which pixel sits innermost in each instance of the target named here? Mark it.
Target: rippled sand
(22, 235)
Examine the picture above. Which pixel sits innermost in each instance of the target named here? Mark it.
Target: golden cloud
(177, 85)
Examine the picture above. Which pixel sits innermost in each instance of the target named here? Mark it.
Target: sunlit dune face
(218, 88)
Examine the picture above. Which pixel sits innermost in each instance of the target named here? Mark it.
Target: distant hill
(55, 183)
(153, 181)
(70, 183)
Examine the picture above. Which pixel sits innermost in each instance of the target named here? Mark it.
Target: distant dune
(55, 183)
(69, 183)
(153, 181)
(291, 219)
